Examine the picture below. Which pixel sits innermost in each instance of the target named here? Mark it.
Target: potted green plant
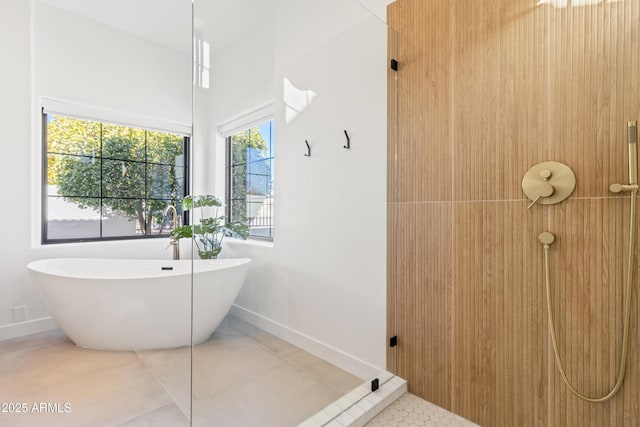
(210, 231)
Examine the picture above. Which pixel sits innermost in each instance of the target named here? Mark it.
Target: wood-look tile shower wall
(486, 89)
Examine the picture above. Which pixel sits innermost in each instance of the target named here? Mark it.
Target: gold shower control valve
(548, 183)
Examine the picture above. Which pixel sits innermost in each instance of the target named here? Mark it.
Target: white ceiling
(168, 22)
(165, 22)
(238, 15)
(229, 19)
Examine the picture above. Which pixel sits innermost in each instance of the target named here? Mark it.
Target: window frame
(186, 147)
(229, 178)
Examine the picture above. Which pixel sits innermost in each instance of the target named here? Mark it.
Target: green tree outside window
(116, 170)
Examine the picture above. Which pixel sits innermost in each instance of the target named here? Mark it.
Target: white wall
(15, 151)
(240, 37)
(91, 63)
(322, 284)
(55, 54)
(255, 70)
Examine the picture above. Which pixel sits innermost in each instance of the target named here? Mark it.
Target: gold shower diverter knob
(544, 190)
(548, 183)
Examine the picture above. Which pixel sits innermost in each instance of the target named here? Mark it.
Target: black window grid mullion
(45, 180)
(186, 145)
(255, 161)
(111, 158)
(155, 199)
(101, 177)
(229, 169)
(146, 193)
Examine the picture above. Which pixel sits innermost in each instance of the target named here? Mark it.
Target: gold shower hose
(627, 315)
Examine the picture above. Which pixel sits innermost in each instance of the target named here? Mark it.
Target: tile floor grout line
(286, 359)
(272, 351)
(166, 390)
(322, 379)
(147, 413)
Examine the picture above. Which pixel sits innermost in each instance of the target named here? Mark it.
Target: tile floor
(242, 376)
(410, 411)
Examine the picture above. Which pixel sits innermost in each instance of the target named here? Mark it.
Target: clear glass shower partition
(290, 121)
(107, 340)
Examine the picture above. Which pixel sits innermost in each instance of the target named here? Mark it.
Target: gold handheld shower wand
(632, 140)
(547, 239)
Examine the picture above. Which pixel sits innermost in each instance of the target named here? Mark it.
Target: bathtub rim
(39, 267)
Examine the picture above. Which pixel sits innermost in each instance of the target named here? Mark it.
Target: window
(104, 181)
(250, 164)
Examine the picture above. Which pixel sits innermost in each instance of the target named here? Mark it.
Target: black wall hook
(308, 149)
(348, 146)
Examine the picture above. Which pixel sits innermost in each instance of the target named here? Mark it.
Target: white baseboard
(349, 363)
(28, 327)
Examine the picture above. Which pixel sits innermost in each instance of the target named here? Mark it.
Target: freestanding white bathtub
(121, 304)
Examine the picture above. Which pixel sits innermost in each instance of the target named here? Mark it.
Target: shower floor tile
(410, 411)
(242, 376)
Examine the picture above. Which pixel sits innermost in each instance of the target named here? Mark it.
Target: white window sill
(248, 242)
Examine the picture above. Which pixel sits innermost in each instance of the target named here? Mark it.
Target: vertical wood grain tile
(588, 265)
(594, 90)
(392, 128)
(424, 86)
(522, 81)
(424, 287)
(392, 281)
(500, 94)
(499, 343)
